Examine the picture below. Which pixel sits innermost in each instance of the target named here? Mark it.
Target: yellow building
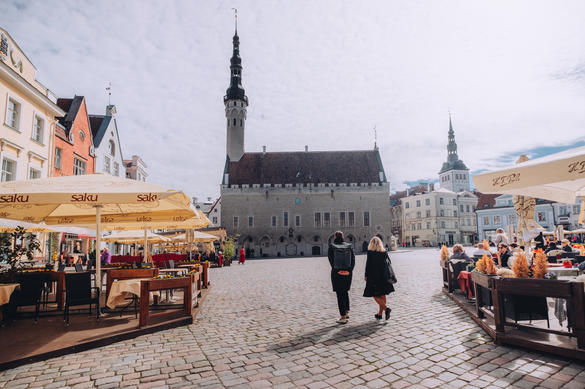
(27, 111)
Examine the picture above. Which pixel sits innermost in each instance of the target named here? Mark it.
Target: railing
(147, 286)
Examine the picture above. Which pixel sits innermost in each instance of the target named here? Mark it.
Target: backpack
(341, 256)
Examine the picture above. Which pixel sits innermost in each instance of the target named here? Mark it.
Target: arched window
(234, 121)
(112, 147)
(241, 122)
(82, 135)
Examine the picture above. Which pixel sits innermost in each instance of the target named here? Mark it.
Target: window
(106, 164)
(112, 148)
(13, 114)
(34, 173)
(250, 221)
(215, 220)
(326, 219)
(427, 201)
(116, 169)
(511, 219)
(442, 224)
(8, 170)
(82, 135)
(58, 157)
(441, 213)
(285, 219)
(455, 202)
(236, 221)
(456, 224)
(461, 208)
(428, 225)
(406, 205)
(234, 121)
(428, 213)
(486, 220)
(441, 201)
(350, 219)
(317, 219)
(418, 214)
(455, 213)
(297, 221)
(38, 128)
(467, 208)
(341, 219)
(274, 221)
(541, 216)
(367, 219)
(497, 220)
(78, 167)
(418, 203)
(418, 226)
(241, 123)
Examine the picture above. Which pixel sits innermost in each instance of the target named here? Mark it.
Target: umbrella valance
(135, 237)
(198, 236)
(72, 200)
(557, 177)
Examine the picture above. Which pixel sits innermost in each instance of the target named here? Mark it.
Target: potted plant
(15, 246)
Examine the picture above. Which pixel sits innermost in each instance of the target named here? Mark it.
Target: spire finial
(375, 139)
(236, 18)
(109, 90)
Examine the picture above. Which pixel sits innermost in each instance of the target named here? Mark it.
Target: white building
(445, 214)
(135, 168)
(106, 142)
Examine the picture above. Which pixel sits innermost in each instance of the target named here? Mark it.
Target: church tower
(236, 103)
(454, 175)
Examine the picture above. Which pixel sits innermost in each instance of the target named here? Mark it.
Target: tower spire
(236, 90)
(236, 19)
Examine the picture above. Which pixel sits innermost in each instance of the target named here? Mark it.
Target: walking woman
(342, 260)
(242, 256)
(376, 277)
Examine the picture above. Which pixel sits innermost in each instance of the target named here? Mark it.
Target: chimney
(306, 147)
(263, 149)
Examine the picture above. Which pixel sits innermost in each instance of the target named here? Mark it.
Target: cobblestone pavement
(271, 323)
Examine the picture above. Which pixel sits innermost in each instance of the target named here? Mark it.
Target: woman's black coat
(376, 282)
(340, 283)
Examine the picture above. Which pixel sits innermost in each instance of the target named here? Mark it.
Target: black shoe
(387, 313)
(378, 317)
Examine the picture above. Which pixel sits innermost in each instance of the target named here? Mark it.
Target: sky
(322, 74)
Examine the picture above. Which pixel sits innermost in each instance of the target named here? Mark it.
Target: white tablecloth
(121, 288)
(6, 291)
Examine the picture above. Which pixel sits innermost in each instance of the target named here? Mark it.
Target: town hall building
(291, 203)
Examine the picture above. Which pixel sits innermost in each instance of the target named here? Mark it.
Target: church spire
(453, 161)
(236, 90)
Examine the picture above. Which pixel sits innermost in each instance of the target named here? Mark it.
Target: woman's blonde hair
(376, 245)
(458, 248)
(500, 231)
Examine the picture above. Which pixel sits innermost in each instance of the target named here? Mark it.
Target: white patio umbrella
(75, 200)
(557, 177)
(197, 236)
(134, 237)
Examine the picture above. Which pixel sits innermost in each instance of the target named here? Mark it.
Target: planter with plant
(14, 247)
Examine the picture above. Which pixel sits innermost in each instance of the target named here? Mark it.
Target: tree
(229, 247)
(15, 246)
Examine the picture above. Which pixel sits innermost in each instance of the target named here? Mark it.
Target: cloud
(321, 74)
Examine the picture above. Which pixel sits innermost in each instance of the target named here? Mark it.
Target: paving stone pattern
(271, 323)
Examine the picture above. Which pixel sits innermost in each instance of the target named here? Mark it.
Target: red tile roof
(486, 200)
(306, 167)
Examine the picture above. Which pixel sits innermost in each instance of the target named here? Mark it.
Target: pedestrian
(377, 283)
(106, 257)
(342, 261)
(220, 259)
(242, 258)
(501, 237)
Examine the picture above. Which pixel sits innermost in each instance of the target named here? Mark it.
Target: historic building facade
(106, 142)
(291, 203)
(28, 116)
(135, 168)
(446, 214)
(74, 152)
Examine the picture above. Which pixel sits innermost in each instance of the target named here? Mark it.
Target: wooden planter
(147, 286)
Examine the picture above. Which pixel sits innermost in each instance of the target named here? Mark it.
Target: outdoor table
(465, 283)
(6, 291)
(563, 271)
(121, 288)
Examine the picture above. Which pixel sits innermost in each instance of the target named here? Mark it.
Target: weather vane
(109, 90)
(236, 17)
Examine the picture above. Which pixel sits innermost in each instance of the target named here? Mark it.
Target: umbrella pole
(144, 254)
(98, 242)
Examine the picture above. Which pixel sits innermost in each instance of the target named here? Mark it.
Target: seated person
(503, 255)
(459, 260)
(565, 246)
(551, 246)
(480, 251)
